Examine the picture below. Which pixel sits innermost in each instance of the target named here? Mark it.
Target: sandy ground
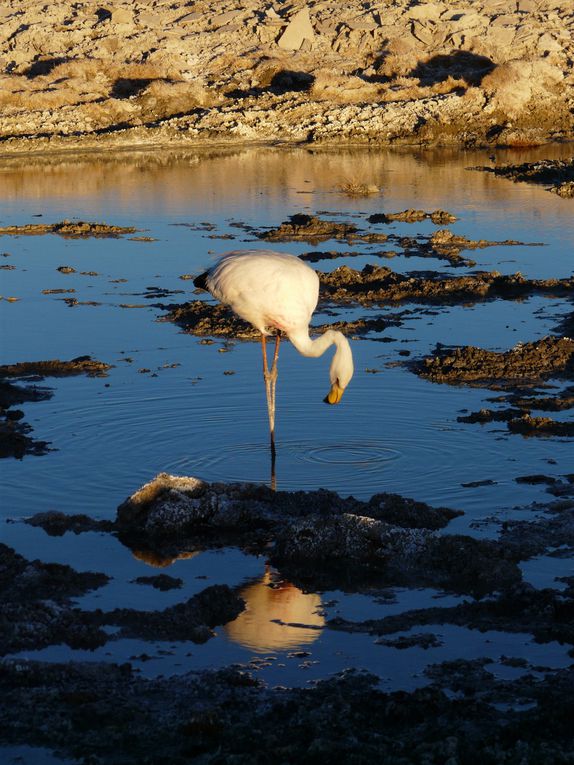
(464, 72)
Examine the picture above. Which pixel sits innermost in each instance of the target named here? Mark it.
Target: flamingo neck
(342, 364)
(313, 348)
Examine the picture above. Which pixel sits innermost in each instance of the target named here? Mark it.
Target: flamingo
(276, 291)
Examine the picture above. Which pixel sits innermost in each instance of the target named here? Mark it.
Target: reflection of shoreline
(255, 629)
(169, 180)
(158, 561)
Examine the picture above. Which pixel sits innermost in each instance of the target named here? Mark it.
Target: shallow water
(393, 431)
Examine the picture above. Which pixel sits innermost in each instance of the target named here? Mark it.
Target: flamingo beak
(335, 394)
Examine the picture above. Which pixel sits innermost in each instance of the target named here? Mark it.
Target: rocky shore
(464, 73)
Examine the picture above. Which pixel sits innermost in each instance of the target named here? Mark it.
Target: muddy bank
(556, 175)
(379, 284)
(15, 440)
(476, 73)
(526, 363)
(68, 230)
(442, 244)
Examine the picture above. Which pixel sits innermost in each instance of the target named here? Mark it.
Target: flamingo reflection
(268, 600)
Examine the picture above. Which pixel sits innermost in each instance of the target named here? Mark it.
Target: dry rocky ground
(132, 72)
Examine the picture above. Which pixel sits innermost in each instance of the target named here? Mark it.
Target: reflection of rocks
(556, 174)
(157, 560)
(268, 602)
(37, 610)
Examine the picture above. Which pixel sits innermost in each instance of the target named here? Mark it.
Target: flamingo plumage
(276, 291)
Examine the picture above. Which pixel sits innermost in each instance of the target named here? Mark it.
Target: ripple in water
(300, 465)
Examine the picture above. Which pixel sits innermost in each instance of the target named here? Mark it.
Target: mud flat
(527, 362)
(373, 285)
(68, 230)
(492, 72)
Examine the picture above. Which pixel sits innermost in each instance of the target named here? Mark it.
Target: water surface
(168, 404)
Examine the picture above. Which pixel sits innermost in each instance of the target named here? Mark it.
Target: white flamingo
(272, 290)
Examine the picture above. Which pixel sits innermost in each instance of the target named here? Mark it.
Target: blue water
(392, 432)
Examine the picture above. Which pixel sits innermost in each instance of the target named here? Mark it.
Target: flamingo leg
(270, 377)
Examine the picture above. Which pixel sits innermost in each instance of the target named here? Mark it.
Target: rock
(298, 30)
(426, 11)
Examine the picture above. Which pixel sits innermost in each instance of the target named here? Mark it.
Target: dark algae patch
(372, 285)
